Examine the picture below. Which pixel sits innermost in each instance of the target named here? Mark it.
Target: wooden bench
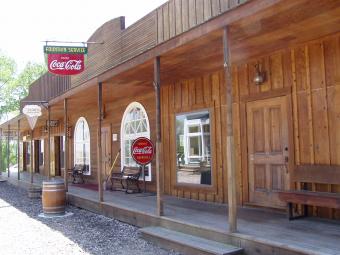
(319, 174)
(77, 172)
(131, 177)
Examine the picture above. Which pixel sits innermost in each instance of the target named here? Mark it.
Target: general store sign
(65, 60)
(32, 112)
(142, 150)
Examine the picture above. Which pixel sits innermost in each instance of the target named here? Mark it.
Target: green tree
(15, 87)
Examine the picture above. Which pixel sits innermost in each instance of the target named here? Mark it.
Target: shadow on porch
(269, 230)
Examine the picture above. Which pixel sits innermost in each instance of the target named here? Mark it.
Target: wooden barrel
(53, 197)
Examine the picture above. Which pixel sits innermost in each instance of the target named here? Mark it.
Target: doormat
(86, 186)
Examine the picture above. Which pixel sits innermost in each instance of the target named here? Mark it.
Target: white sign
(32, 113)
(32, 110)
(114, 137)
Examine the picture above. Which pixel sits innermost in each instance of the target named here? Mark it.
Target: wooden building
(270, 67)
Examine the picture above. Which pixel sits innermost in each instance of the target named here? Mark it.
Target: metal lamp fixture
(260, 76)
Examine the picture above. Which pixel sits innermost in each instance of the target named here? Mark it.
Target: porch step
(187, 244)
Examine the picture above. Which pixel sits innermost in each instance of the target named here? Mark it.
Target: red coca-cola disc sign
(142, 150)
(65, 60)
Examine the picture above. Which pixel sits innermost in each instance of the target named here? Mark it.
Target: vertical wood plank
(295, 108)
(332, 61)
(207, 89)
(224, 5)
(207, 9)
(160, 25)
(199, 90)
(200, 11)
(166, 22)
(192, 13)
(172, 19)
(178, 11)
(287, 69)
(215, 7)
(185, 15)
(276, 70)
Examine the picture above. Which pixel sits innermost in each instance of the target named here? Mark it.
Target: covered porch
(295, 43)
(260, 231)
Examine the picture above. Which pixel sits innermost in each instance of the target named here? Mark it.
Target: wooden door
(267, 129)
(106, 150)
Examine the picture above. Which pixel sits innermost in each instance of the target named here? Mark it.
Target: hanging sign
(65, 60)
(142, 150)
(32, 113)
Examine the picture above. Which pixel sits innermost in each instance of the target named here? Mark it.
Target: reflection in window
(135, 124)
(82, 144)
(193, 148)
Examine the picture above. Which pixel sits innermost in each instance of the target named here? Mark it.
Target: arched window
(135, 124)
(82, 144)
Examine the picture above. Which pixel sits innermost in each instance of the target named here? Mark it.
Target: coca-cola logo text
(142, 150)
(145, 150)
(66, 64)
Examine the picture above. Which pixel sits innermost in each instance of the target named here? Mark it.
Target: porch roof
(257, 28)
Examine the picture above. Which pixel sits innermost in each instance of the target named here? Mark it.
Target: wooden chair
(321, 174)
(131, 177)
(77, 172)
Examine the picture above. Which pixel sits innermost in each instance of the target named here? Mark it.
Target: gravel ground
(23, 232)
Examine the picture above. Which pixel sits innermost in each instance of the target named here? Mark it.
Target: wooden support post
(49, 142)
(99, 141)
(66, 145)
(8, 150)
(18, 158)
(232, 204)
(159, 179)
(31, 157)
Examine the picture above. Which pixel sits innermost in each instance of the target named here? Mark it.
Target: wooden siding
(207, 92)
(178, 16)
(48, 86)
(309, 76)
(119, 45)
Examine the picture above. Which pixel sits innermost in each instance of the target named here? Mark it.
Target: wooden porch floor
(310, 235)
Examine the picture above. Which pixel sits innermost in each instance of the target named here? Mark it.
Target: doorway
(267, 130)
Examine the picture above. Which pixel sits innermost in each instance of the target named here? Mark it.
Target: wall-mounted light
(260, 75)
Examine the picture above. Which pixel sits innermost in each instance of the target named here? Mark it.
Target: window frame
(192, 186)
(146, 134)
(84, 142)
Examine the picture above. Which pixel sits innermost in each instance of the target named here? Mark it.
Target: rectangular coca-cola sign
(65, 60)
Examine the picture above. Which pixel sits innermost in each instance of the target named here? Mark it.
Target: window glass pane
(135, 125)
(194, 129)
(193, 148)
(81, 144)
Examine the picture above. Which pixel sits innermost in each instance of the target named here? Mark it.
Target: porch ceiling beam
(231, 172)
